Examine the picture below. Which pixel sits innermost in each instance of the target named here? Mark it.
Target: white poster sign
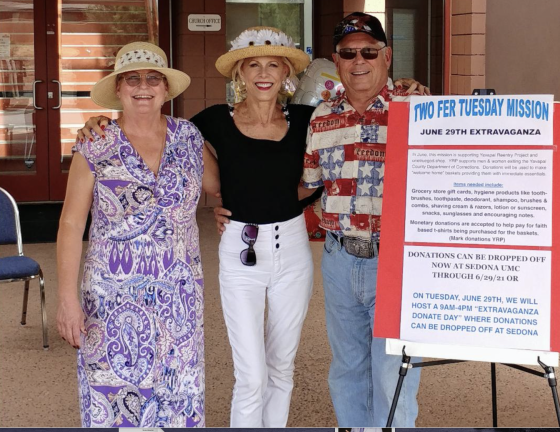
(482, 297)
(498, 355)
(484, 120)
(477, 266)
(476, 196)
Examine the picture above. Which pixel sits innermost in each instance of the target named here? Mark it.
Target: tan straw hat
(138, 56)
(261, 42)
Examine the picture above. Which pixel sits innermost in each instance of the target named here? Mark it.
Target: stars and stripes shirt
(346, 153)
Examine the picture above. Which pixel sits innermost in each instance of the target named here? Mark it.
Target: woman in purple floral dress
(140, 323)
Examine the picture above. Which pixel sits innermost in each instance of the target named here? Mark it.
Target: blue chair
(19, 268)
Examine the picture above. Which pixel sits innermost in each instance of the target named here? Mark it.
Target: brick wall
(326, 15)
(522, 49)
(196, 53)
(468, 45)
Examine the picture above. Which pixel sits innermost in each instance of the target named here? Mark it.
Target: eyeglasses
(135, 80)
(249, 236)
(367, 53)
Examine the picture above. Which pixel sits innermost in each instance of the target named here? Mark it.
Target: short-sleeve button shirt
(346, 153)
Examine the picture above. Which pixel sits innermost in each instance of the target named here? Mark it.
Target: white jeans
(283, 276)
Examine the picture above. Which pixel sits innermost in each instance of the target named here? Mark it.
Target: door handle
(59, 94)
(35, 85)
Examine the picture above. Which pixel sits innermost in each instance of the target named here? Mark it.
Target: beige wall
(326, 15)
(196, 53)
(523, 46)
(468, 51)
(372, 7)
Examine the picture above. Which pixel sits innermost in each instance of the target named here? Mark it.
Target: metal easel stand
(406, 365)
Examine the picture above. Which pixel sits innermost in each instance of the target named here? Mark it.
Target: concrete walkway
(38, 388)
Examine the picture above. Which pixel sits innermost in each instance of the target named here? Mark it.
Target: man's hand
(70, 321)
(413, 86)
(97, 124)
(220, 214)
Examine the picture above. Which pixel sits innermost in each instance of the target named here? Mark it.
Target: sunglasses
(351, 53)
(135, 80)
(249, 236)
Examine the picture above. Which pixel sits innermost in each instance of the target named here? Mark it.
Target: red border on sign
(555, 255)
(390, 275)
(387, 318)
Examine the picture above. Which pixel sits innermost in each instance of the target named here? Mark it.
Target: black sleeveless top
(259, 177)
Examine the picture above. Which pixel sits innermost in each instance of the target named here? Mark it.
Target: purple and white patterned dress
(142, 361)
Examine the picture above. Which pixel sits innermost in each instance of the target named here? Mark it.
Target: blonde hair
(240, 88)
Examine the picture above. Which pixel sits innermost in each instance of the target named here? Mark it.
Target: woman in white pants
(265, 258)
(264, 358)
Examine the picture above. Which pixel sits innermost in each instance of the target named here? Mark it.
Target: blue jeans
(362, 378)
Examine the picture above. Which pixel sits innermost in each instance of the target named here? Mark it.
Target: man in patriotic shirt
(346, 153)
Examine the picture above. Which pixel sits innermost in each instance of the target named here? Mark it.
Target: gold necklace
(151, 166)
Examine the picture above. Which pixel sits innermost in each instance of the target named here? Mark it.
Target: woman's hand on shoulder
(95, 124)
(221, 215)
(70, 321)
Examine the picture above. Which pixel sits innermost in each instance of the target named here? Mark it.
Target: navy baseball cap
(359, 22)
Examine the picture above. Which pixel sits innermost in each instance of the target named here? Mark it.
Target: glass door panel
(415, 31)
(51, 53)
(23, 163)
(17, 73)
(91, 35)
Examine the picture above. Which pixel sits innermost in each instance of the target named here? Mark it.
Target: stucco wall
(523, 46)
(468, 51)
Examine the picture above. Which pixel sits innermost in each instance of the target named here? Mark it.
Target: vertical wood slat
(152, 20)
(155, 16)
(149, 19)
